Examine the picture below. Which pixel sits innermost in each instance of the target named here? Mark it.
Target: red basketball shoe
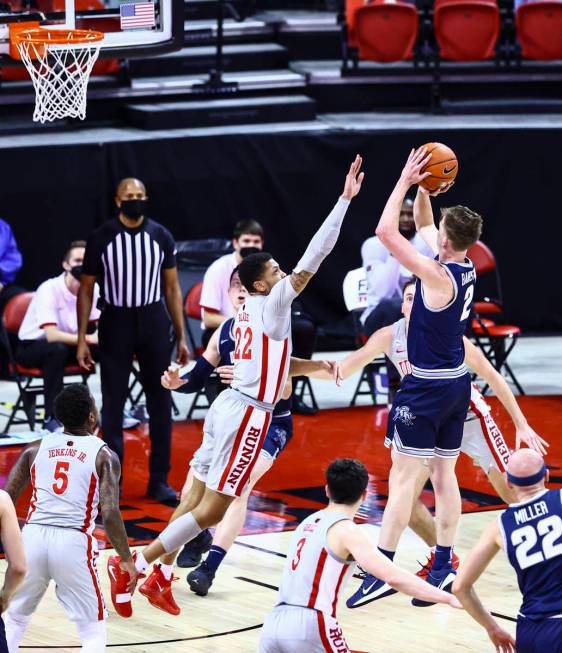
(426, 568)
(119, 581)
(158, 591)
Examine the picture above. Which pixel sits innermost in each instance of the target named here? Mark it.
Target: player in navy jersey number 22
(430, 408)
(530, 533)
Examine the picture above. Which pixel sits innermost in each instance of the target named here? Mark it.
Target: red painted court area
(294, 486)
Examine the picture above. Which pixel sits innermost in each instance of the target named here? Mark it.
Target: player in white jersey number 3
(71, 473)
(238, 420)
(321, 557)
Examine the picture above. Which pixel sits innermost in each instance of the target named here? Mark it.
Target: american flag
(137, 14)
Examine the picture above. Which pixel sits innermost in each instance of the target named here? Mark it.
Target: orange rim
(45, 36)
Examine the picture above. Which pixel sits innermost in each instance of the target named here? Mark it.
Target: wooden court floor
(229, 618)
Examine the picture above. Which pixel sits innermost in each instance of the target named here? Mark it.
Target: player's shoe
(371, 589)
(426, 568)
(442, 579)
(201, 579)
(119, 580)
(158, 591)
(192, 552)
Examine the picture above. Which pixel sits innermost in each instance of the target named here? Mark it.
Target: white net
(60, 73)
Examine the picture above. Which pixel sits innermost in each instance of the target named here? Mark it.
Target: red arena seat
(466, 30)
(386, 31)
(539, 30)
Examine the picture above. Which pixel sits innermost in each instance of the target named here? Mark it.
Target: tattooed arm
(109, 471)
(20, 475)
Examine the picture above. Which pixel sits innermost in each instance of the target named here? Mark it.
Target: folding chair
(29, 380)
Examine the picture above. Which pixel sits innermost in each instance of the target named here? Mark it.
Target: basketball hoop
(59, 62)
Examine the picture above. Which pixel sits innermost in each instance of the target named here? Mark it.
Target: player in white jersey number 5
(238, 420)
(71, 473)
(321, 557)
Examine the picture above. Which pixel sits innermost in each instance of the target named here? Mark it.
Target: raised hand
(534, 441)
(354, 179)
(412, 174)
(444, 188)
(171, 379)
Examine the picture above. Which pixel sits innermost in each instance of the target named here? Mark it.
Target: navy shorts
(3, 643)
(544, 636)
(279, 433)
(427, 416)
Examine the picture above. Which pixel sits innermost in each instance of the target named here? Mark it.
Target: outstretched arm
(20, 474)
(476, 360)
(423, 217)
(379, 343)
(109, 472)
(429, 271)
(463, 587)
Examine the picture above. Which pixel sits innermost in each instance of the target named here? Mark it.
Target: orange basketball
(443, 166)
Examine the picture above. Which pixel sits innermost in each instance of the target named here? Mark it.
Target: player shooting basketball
(431, 406)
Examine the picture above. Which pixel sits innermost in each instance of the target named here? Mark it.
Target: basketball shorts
(427, 416)
(3, 642)
(278, 435)
(69, 558)
(291, 629)
(233, 435)
(544, 636)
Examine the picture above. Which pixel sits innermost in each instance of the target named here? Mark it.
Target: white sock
(93, 636)
(141, 565)
(167, 570)
(177, 533)
(16, 625)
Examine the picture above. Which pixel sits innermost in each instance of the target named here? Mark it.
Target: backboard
(131, 29)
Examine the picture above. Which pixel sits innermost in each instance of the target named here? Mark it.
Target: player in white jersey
(321, 557)
(482, 439)
(71, 473)
(237, 422)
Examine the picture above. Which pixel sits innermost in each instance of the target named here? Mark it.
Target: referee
(134, 260)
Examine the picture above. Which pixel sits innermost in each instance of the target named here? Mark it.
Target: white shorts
(233, 434)
(483, 441)
(291, 629)
(69, 557)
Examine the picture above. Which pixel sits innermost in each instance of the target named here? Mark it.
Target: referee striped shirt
(128, 263)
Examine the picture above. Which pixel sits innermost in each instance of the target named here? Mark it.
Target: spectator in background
(385, 275)
(10, 260)
(248, 236)
(215, 301)
(48, 333)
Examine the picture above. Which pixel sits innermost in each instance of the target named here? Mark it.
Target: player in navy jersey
(219, 355)
(430, 408)
(530, 532)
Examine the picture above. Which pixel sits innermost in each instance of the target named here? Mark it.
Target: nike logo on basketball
(446, 170)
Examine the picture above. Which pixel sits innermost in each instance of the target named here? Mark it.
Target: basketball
(443, 166)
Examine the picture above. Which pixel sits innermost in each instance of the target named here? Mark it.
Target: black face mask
(133, 209)
(409, 232)
(246, 251)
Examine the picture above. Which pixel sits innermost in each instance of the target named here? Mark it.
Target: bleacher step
(194, 60)
(230, 111)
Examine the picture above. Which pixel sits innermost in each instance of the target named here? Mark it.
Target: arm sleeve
(170, 251)
(277, 309)
(92, 256)
(197, 376)
(324, 239)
